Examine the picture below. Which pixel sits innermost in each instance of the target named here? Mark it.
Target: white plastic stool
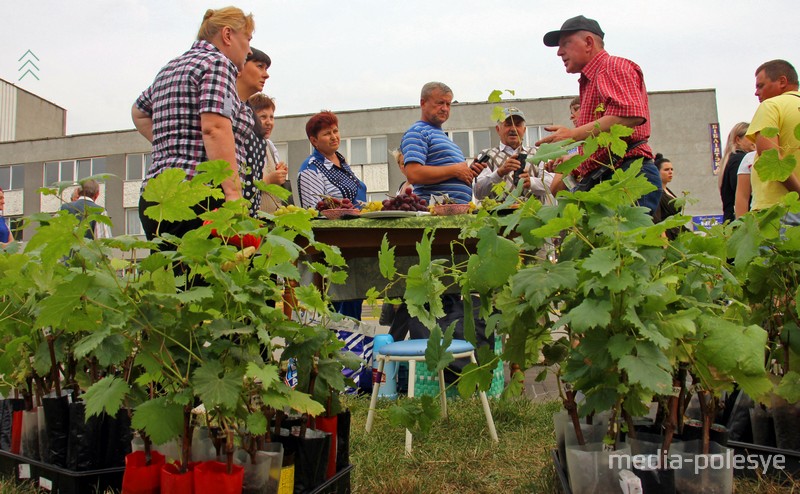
(413, 351)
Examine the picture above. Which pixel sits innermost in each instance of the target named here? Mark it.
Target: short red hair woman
(326, 172)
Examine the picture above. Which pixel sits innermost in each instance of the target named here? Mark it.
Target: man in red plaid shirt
(612, 91)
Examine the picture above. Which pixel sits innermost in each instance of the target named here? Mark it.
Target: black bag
(56, 416)
(343, 440)
(7, 409)
(84, 447)
(116, 439)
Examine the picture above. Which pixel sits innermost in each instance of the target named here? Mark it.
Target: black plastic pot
(787, 427)
(655, 481)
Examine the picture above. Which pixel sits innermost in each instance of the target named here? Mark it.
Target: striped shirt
(319, 177)
(428, 145)
(202, 80)
(614, 86)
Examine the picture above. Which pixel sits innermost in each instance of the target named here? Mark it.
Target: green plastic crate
(426, 383)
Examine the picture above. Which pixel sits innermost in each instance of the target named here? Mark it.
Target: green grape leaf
(789, 388)
(474, 377)
(88, 343)
(732, 348)
(539, 282)
(515, 387)
(770, 132)
(386, 259)
(160, 419)
(495, 96)
(602, 261)
(497, 114)
(60, 305)
(268, 375)
(256, 423)
(745, 242)
(649, 367)
(591, 313)
(771, 167)
(417, 415)
(217, 386)
(620, 345)
(436, 355)
(495, 261)
(303, 403)
(106, 395)
(173, 196)
(311, 298)
(552, 150)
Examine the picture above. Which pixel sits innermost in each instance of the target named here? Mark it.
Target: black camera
(521, 157)
(483, 159)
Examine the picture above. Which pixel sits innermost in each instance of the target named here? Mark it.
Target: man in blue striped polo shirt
(433, 162)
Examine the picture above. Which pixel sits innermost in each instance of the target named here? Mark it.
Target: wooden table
(359, 240)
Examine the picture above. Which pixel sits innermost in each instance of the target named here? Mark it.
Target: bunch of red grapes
(408, 201)
(329, 202)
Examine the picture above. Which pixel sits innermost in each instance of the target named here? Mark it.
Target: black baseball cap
(579, 23)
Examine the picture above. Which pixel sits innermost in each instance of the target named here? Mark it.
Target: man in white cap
(502, 163)
(612, 91)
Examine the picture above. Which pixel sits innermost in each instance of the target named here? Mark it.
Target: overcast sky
(95, 57)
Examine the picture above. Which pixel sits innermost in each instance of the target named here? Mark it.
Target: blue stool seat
(413, 351)
(416, 348)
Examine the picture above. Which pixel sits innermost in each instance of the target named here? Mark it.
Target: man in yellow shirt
(777, 91)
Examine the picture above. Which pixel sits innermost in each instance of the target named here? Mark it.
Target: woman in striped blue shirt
(326, 172)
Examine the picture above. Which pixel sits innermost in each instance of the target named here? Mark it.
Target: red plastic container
(141, 478)
(329, 424)
(212, 477)
(174, 482)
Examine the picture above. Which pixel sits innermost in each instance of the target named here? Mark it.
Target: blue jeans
(651, 173)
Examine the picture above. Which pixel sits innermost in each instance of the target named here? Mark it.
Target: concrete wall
(38, 118)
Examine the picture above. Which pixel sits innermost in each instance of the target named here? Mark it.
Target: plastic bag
(328, 424)
(44, 441)
(311, 460)
(84, 444)
(343, 440)
(116, 439)
(56, 414)
(256, 475)
(141, 478)
(7, 409)
(29, 447)
(212, 477)
(275, 451)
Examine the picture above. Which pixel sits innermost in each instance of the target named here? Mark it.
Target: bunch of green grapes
(291, 208)
(489, 203)
(372, 206)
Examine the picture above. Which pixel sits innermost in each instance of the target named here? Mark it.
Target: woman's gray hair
(430, 87)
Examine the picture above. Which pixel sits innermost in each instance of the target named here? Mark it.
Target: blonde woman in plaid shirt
(192, 113)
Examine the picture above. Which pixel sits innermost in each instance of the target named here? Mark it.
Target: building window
(364, 150)
(72, 170)
(471, 142)
(133, 225)
(136, 165)
(15, 226)
(12, 177)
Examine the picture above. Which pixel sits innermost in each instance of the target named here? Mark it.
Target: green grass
(457, 455)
